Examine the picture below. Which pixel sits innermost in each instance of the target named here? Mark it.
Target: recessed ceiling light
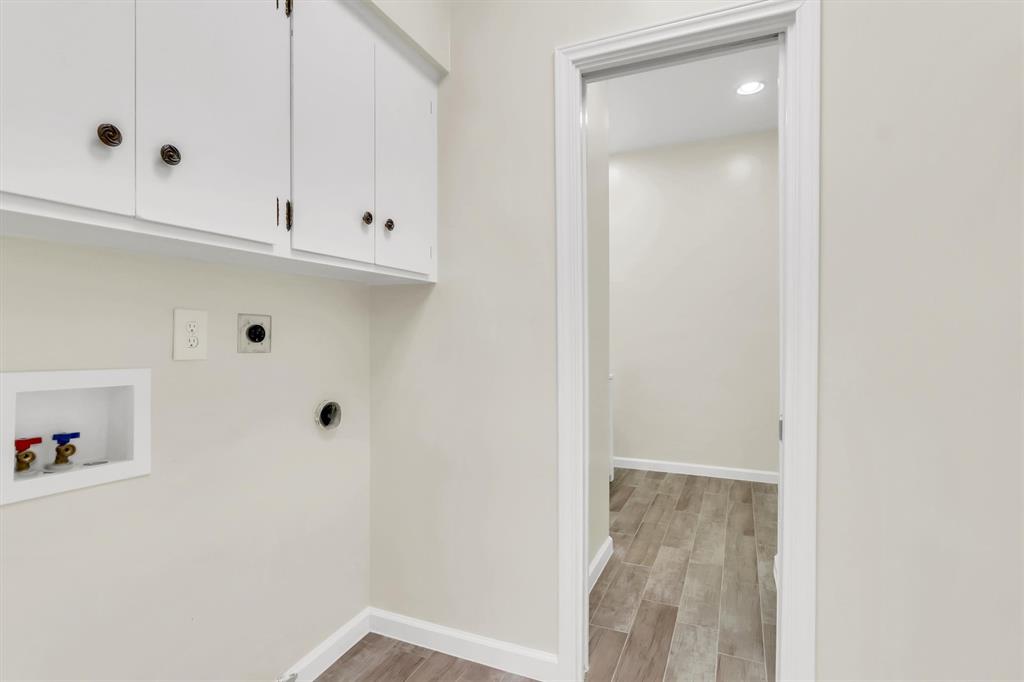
(750, 88)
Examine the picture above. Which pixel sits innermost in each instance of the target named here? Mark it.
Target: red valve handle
(23, 444)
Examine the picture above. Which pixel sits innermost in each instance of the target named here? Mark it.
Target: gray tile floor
(380, 659)
(689, 592)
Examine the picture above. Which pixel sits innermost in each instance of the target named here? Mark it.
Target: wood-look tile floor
(380, 659)
(689, 592)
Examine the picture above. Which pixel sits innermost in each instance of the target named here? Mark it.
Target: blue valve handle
(65, 438)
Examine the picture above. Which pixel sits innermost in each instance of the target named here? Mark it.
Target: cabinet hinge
(288, 215)
(287, 8)
(781, 422)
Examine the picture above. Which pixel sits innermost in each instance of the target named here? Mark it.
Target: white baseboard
(331, 649)
(513, 658)
(754, 475)
(599, 562)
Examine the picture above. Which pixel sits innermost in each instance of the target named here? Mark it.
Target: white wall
(597, 314)
(694, 302)
(248, 543)
(920, 444)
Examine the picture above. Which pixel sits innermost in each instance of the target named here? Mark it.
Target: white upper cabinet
(364, 144)
(67, 102)
(406, 163)
(332, 136)
(213, 115)
(173, 121)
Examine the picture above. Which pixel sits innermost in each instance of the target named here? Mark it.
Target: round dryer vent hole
(328, 415)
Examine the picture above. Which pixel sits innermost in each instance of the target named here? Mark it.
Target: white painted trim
(571, 368)
(599, 562)
(799, 24)
(799, 130)
(313, 664)
(735, 473)
(513, 658)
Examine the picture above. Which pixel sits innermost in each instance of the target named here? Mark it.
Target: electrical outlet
(190, 334)
(253, 333)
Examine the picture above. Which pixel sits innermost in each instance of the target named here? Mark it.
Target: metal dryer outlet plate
(253, 333)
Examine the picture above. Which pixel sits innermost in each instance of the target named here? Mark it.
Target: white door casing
(798, 23)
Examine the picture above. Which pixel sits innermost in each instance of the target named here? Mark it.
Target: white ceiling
(693, 101)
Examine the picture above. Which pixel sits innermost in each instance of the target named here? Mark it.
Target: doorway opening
(683, 285)
(793, 31)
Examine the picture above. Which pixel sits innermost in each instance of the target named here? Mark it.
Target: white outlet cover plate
(191, 334)
(244, 344)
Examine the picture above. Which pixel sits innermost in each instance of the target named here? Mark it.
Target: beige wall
(597, 314)
(248, 543)
(920, 437)
(694, 302)
(920, 454)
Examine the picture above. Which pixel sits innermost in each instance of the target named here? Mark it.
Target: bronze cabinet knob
(367, 218)
(389, 224)
(170, 155)
(108, 134)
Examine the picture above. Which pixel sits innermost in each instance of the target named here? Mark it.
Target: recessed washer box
(109, 408)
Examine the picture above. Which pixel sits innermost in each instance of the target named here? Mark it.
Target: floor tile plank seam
(742, 658)
(601, 600)
(629, 632)
(610, 580)
(718, 627)
(632, 622)
(603, 594)
(761, 589)
(761, 632)
(618, 658)
(647, 511)
(418, 666)
(675, 627)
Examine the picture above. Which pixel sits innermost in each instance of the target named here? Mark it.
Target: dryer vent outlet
(328, 415)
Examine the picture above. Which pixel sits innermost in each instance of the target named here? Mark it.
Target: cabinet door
(332, 131)
(406, 163)
(213, 115)
(67, 68)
